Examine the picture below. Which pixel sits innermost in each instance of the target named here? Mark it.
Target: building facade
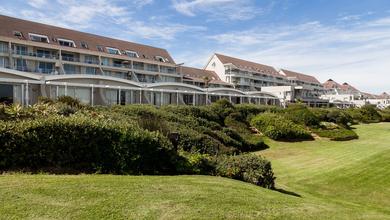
(42, 60)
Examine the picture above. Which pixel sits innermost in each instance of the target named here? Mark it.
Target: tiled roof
(330, 84)
(384, 96)
(9, 25)
(248, 65)
(199, 75)
(301, 76)
(346, 87)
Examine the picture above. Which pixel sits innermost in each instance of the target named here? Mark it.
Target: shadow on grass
(288, 192)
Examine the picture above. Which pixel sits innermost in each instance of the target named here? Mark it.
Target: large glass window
(69, 69)
(20, 50)
(21, 64)
(68, 57)
(90, 70)
(91, 59)
(43, 53)
(3, 47)
(4, 62)
(6, 94)
(45, 67)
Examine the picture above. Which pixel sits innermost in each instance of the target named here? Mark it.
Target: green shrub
(338, 134)
(385, 113)
(247, 167)
(320, 113)
(340, 117)
(70, 101)
(248, 110)
(196, 163)
(277, 127)
(365, 114)
(84, 144)
(300, 114)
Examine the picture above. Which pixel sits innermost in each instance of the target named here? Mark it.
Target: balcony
(71, 59)
(33, 54)
(35, 70)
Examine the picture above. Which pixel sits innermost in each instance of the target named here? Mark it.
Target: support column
(177, 98)
(194, 99)
(92, 95)
(27, 93)
(140, 96)
(161, 98)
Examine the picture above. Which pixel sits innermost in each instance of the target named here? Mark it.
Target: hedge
(247, 167)
(84, 144)
(277, 127)
(340, 134)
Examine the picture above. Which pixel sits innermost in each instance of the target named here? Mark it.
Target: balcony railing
(34, 54)
(71, 59)
(35, 70)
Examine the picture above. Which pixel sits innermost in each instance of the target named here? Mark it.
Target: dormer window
(38, 38)
(66, 43)
(84, 45)
(112, 50)
(18, 34)
(131, 53)
(160, 58)
(100, 48)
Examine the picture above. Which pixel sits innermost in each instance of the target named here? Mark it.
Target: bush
(249, 110)
(384, 113)
(339, 117)
(277, 127)
(335, 133)
(300, 114)
(84, 144)
(247, 167)
(365, 114)
(70, 101)
(320, 113)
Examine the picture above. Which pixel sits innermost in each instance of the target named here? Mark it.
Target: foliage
(335, 133)
(300, 114)
(247, 167)
(84, 144)
(277, 127)
(365, 114)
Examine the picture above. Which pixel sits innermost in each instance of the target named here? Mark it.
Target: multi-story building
(287, 85)
(243, 74)
(43, 60)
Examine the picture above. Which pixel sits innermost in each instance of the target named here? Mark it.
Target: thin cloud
(218, 9)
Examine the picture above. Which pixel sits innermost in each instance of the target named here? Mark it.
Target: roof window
(100, 48)
(66, 43)
(131, 53)
(112, 50)
(38, 38)
(160, 58)
(18, 34)
(84, 45)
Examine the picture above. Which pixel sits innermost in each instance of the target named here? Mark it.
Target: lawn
(316, 179)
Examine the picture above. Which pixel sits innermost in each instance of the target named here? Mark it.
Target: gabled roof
(248, 65)
(301, 76)
(384, 96)
(346, 87)
(330, 84)
(9, 25)
(200, 75)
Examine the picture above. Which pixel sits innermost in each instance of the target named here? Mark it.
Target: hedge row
(84, 144)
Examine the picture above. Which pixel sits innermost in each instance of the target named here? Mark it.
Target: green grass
(335, 180)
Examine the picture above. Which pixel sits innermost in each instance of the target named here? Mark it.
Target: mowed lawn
(317, 179)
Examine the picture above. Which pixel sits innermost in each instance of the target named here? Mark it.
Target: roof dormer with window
(38, 38)
(66, 43)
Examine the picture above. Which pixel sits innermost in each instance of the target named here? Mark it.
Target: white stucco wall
(219, 68)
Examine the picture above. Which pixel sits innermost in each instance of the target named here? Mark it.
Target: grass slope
(335, 180)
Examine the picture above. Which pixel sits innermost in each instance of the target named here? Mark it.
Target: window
(90, 70)
(44, 67)
(91, 59)
(111, 50)
(105, 61)
(160, 58)
(38, 38)
(69, 69)
(84, 45)
(68, 57)
(18, 34)
(131, 53)
(213, 65)
(66, 43)
(20, 50)
(100, 48)
(43, 53)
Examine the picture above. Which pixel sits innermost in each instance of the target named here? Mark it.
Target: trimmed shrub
(247, 167)
(384, 113)
(249, 110)
(300, 114)
(277, 127)
(84, 144)
(320, 113)
(70, 101)
(339, 134)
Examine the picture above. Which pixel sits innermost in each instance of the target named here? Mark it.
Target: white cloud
(357, 54)
(37, 3)
(218, 9)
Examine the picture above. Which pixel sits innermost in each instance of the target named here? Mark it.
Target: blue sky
(346, 40)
